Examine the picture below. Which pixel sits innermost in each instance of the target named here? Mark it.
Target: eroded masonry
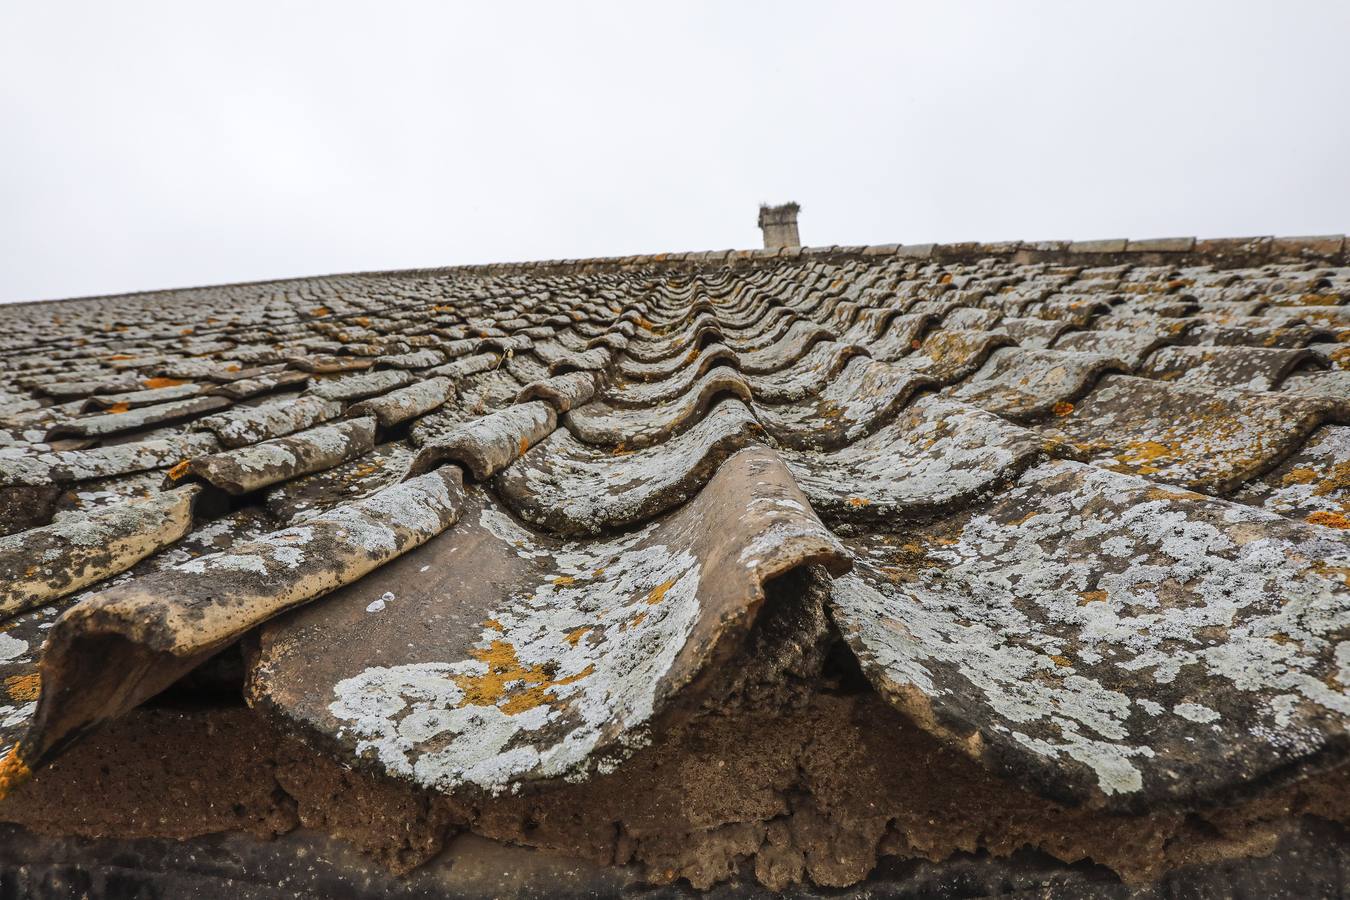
(782, 567)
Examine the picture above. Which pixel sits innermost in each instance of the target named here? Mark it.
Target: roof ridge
(1232, 252)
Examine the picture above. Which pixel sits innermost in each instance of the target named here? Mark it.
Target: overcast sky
(148, 145)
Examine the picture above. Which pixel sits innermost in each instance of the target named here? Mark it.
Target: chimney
(779, 224)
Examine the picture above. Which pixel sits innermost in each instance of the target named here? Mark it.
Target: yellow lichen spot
(563, 580)
(1141, 454)
(1329, 519)
(119, 408)
(24, 688)
(658, 593)
(858, 502)
(509, 684)
(179, 470)
(1299, 476)
(576, 634)
(185, 331)
(1062, 408)
(1159, 493)
(637, 620)
(598, 572)
(1086, 597)
(153, 383)
(524, 445)
(120, 356)
(319, 311)
(494, 625)
(13, 771)
(1062, 661)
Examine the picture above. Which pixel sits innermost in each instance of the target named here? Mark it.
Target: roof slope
(1078, 509)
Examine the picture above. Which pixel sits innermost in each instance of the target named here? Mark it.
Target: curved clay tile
(1108, 641)
(282, 415)
(935, 455)
(536, 659)
(634, 428)
(1023, 384)
(257, 466)
(1249, 368)
(51, 562)
(572, 488)
(865, 395)
(1202, 438)
(119, 647)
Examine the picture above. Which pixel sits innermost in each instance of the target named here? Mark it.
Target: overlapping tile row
(1082, 513)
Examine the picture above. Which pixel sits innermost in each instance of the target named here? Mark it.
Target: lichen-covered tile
(1021, 383)
(934, 456)
(257, 466)
(1312, 485)
(632, 428)
(1207, 439)
(862, 398)
(496, 656)
(122, 645)
(116, 421)
(45, 564)
(1250, 368)
(572, 488)
(279, 416)
(1108, 641)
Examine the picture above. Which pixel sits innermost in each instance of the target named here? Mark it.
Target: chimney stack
(779, 224)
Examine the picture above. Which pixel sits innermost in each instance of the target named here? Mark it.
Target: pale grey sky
(150, 145)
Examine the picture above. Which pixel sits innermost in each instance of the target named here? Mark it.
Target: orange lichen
(185, 331)
(576, 634)
(1062, 408)
(121, 356)
(13, 771)
(494, 625)
(119, 408)
(319, 311)
(509, 684)
(1329, 519)
(563, 580)
(858, 502)
(1140, 454)
(1299, 476)
(524, 445)
(658, 593)
(179, 470)
(1086, 597)
(162, 382)
(1062, 661)
(24, 688)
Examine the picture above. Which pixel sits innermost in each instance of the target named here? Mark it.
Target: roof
(1077, 511)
